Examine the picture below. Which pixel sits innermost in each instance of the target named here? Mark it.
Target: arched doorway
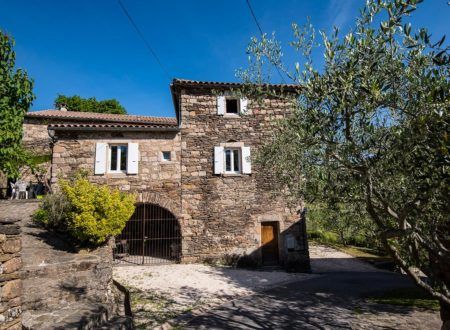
(151, 236)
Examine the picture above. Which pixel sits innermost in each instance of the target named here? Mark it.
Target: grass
(365, 254)
(412, 297)
(152, 309)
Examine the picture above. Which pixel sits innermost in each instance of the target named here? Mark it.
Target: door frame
(276, 226)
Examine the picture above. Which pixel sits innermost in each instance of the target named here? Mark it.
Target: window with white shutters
(231, 106)
(232, 160)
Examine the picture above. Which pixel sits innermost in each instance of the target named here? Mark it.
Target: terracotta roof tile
(102, 117)
(218, 84)
(111, 126)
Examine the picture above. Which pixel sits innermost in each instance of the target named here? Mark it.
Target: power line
(141, 35)
(254, 16)
(261, 32)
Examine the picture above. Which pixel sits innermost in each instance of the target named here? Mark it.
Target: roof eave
(110, 129)
(104, 120)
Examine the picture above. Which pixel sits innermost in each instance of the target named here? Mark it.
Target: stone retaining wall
(48, 284)
(10, 282)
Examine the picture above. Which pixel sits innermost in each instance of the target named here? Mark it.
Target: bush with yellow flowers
(92, 213)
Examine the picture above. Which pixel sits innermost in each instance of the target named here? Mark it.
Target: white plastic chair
(13, 190)
(22, 189)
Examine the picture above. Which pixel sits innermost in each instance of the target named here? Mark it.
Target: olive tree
(370, 129)
(16, 97)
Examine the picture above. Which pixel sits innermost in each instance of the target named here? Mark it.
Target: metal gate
(151, 236)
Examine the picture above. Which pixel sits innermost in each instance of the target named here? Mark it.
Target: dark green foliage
(77, 103)
(39, 159)
(16, 97)
(341, 223)
(413, 297)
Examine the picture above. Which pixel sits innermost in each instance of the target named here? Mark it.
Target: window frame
(118, 158)
(232, 163)
(238, 106)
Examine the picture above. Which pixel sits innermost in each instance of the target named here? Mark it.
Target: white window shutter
(100, 158)
(218, 160)
(133, 158)
(246, 161)
(243, 106)
(221, 104)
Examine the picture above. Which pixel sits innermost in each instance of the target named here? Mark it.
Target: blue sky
(89, 48)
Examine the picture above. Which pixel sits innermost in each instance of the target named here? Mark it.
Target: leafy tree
(16, 97)
(77, 103)
(371, 129)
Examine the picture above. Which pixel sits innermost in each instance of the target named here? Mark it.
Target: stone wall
(46, 283)
(156, 179)
(222, 214)
(10, 282)
(35, 136)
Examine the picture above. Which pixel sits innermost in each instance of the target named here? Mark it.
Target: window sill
(233, 174)
(231, 115)
(116, 175)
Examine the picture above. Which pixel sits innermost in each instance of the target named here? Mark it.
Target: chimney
(62, 107)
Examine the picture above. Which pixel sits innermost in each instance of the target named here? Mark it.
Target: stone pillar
(10, 282)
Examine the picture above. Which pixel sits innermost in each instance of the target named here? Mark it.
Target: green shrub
(53, 211)
(96, 212)
(89, 213)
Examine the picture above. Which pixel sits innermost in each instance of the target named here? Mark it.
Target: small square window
(166, 156)
(232, 106)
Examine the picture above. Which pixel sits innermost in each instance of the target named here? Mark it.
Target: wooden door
(269, 242)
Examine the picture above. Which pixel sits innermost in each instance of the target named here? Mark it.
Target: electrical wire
(261, 32)
(141, 35)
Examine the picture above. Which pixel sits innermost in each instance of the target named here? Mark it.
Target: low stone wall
(47, 284)
(10, 282)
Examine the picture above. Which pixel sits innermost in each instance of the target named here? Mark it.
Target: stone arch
(151, 236)
(149, 197)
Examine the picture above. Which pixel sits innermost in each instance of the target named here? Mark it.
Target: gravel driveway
(199, 296)
(160, 293)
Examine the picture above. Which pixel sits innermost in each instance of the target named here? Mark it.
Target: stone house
(200, 194)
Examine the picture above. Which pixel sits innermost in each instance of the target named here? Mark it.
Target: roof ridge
(95, 113)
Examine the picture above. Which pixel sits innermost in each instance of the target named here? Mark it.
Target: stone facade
(156, 179)
(35, 136)
(219, 214)
(222, 214)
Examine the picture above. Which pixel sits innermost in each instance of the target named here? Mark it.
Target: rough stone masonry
(10, 282)
(219, 214)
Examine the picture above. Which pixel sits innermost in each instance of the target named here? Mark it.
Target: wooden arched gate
(151, 236)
